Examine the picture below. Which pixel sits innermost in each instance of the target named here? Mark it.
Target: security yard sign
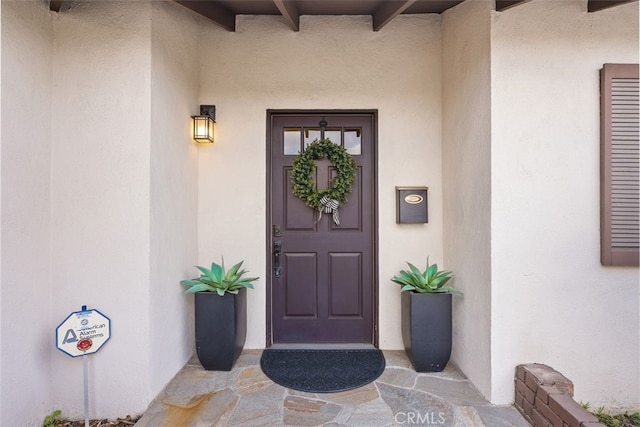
(83, 332)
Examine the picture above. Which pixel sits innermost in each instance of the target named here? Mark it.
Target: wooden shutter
(619, 165)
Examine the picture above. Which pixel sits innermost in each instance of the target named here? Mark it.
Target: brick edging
(545, 398)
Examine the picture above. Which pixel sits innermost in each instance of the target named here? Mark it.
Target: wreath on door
(328, 200)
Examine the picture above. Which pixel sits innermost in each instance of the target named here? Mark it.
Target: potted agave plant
(220, 314)
(426, 316)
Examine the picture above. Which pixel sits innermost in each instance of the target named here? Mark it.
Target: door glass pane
(310, 135)
(353, 141)
(292, 141)
(335, 135)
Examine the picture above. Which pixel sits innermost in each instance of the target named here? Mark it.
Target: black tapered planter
(426, 330)
(221, 328)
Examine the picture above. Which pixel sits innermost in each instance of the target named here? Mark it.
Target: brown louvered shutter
(620, 160)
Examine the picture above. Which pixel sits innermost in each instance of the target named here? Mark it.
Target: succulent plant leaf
(431, 280)
(199, 288)
(219, 280)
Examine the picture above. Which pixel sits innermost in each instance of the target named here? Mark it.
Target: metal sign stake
(85, 370)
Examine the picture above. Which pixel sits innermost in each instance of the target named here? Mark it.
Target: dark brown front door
(322, 287)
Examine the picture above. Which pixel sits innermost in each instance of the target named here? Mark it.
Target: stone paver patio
(399, 397)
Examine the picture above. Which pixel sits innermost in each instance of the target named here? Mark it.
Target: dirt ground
(120, 422)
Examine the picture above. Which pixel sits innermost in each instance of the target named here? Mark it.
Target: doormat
(322, 371)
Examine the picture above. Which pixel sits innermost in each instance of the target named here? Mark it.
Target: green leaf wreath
(304, 166)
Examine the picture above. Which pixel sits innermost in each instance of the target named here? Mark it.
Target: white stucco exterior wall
(466, 147)
(101, 209)
(1, 382)
(101, 198)
(174, 183)
(332, 63)
(25, 282)
(552, 301)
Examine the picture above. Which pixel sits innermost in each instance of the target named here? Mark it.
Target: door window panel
(353, 141)
(349, 138)
(310, 135)
(292, 138)
(335, 135)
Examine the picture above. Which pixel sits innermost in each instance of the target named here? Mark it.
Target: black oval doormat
(322, 371)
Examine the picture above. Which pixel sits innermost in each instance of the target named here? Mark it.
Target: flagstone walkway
(399, 397)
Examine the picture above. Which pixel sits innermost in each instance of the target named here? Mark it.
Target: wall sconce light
(203, 124)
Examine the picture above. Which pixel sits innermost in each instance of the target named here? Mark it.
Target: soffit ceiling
(224, 12)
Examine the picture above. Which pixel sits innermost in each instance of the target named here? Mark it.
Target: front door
(322, 285)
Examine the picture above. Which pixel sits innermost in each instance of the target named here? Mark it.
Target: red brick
(569, 410)
(531, 381)
(520, 372)
(528, 407)
(565, 387)
(545, 375)
(528, 394)
(548, 413)
(539, 420)
(519, 399)
(537, 369)
(544, 391)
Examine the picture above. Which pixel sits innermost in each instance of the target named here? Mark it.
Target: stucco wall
(101, 196)
(332, 63)
(174, 183)
(466, 104)
(25, 283)
(552, 301)
(100, 207)
(1, 387)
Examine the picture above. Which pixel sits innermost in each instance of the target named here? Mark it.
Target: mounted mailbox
(411, 205)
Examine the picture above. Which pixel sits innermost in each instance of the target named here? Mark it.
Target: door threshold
(323, 346)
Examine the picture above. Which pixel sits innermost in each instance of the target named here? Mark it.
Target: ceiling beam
(212, 10)
(389, 10)
(289, 11)
(596, 5)
(502, 5)
(55, 5)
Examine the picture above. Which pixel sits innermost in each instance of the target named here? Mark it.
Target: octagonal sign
(83, 332)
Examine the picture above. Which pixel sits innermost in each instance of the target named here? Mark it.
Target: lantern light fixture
(203, 124)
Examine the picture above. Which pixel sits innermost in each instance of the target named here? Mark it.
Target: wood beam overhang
(596, 5)
(55, 5)
(212, 10)
(502, 5)
(289, 12)
(389, 10)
